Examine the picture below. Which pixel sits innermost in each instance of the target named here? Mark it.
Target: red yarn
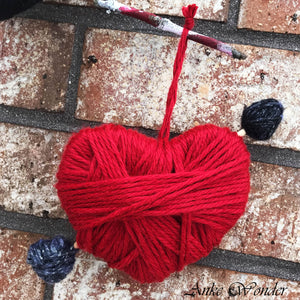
(149, 207)
(189, 13)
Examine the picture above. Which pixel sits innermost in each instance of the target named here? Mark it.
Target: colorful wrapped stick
(168, 26)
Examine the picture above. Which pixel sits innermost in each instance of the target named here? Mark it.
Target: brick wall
(50, 88)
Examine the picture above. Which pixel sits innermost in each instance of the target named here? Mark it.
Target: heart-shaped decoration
(150, 207)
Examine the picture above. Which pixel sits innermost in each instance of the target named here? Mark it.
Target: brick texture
(270, 15)
(30, 158)
(271, 223)
(92, 279)
(35, 59)
(216, 10)
(17, 279)
(130, 81)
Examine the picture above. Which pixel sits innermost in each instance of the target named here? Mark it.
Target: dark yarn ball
(9, 8)
(261, 119)
(53, 259)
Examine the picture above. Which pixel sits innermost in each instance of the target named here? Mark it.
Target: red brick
(129, 84)
(92, 279)
(271, 223)
(29, 159)
(216, 10)
(35, 59)
(269, 15)
(17, 279)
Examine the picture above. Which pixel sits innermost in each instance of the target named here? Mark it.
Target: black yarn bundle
(9, 8)
(261, 119)
(52, 259)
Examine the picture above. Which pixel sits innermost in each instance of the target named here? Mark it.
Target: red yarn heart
(151, 206)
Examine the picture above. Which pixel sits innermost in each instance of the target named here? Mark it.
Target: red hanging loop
(189, 13)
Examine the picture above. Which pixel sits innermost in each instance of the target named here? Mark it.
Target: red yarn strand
(189, 13)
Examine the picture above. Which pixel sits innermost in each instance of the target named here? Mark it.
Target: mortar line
(58, 122)
(253, 264)
(48, 227)
(74, 72)
(40, 119)
(233, 13)
(218, 258)
(48, 292)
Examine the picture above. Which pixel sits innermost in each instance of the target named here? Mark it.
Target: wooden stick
(241, 132)
(168, 26)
